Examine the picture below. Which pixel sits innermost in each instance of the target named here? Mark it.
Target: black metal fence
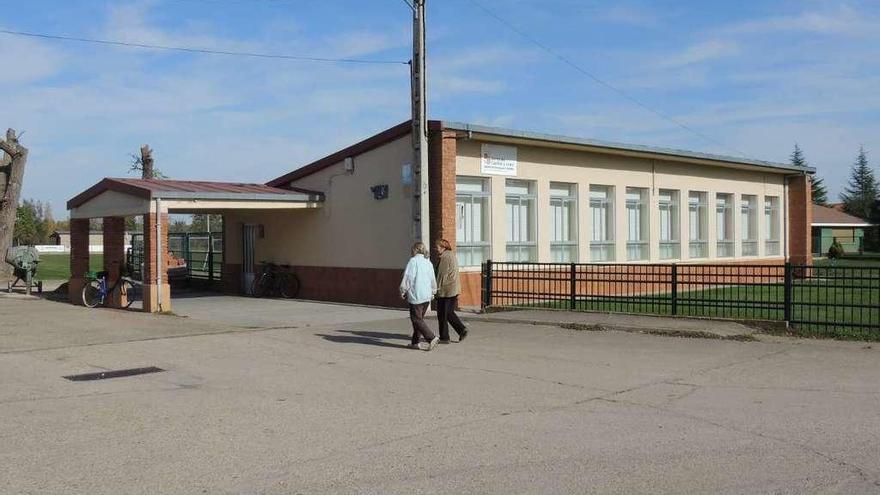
(808, 297)
(202, 251)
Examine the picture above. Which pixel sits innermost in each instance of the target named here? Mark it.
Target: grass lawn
(57, 266)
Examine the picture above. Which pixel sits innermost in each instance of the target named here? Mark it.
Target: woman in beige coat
(448, 289)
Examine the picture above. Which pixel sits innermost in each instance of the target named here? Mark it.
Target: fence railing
(807, 296)
(202, 251)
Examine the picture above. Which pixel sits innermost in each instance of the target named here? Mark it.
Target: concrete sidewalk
(660, 325)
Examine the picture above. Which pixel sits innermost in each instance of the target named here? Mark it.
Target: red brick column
(114, 255)
(800, 220)
(79, 258)
(442, 151)
(152, 285)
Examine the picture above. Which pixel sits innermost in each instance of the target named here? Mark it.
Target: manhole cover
(103, 375)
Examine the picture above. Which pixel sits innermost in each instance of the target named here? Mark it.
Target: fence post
(787, 293)
(487, 284)
(210, 258)
(674, 289)
(573, 288)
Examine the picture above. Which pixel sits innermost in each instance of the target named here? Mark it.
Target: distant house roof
(188, 189)
(537, 139)
(824, 216)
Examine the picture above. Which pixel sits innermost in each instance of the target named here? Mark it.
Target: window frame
(605, 247)
(748, 225)
(698, 247)
(485, 198)
(771, 227)
(562, 202)
(672, 208)
(726, 242)
(529, 246)
(638, 249)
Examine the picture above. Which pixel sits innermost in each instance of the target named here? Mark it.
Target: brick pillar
(800, 220)
(442, 151)
(152, 285)
(79, 258)
(114, 256)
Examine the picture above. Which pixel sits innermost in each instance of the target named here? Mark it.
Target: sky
(753, 77)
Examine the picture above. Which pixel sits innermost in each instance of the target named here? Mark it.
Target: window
(602, 229)
(521, 230)
(749, 212)
(563, 222)
(771, 225)
(670, 245)
(724, 225)
(637, 224)
(698, 221)
(472, 220)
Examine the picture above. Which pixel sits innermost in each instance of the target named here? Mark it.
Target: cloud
(34, 60)
(704, 51)
(843, 20)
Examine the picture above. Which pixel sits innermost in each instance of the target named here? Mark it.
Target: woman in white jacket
(418, 288)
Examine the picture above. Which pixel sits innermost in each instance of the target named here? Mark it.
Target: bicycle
(275, 279)
(96, 290)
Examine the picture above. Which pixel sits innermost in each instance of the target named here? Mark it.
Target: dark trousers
(417, 317)
(446, 316)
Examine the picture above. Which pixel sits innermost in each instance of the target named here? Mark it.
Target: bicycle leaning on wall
(275, 279)
(97, 289)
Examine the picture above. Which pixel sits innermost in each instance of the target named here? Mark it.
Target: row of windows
(473, 198)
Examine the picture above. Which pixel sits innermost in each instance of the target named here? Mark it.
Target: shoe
(424, 346)
(413, 346)
(447, 341)
(463, 335)
(433, 343)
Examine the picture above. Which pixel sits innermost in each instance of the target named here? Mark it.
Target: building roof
(187, 189)
(536, 139)
(611, 145)
(824, 216)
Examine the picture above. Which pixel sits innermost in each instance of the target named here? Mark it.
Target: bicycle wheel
(127, 292)
(91, 294)
(289, 286)
(261, 285)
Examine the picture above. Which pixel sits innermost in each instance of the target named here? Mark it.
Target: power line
(596, 79)
(204, 50)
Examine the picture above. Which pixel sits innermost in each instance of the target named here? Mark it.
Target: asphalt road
(342, 406)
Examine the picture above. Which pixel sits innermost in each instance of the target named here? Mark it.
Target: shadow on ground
(367, 338)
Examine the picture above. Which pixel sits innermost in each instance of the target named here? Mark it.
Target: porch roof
(127, 196)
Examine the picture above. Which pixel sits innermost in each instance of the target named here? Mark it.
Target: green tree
(29, 226)
(820, 193)
(861, 194)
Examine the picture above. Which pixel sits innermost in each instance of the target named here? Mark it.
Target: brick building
(496, 194)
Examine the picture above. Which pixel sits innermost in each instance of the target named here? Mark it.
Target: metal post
(573, 287)
(210, 258)
(674, 289)
(418, 81)
(487, 284)
(787, 293)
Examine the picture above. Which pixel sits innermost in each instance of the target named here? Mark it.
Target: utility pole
(418, 81)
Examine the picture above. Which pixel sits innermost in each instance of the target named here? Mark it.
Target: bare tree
(12, 162)
(144, 164)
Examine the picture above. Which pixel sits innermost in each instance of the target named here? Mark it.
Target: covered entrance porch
(112, 200)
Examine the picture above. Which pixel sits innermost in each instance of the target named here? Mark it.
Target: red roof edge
(106, 184)
(358, 148)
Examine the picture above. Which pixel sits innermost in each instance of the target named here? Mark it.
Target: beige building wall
(351, 229)
(545, 165)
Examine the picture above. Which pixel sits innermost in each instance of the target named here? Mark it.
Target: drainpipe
(159, 248)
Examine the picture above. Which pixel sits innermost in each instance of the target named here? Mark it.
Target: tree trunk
(12, 162)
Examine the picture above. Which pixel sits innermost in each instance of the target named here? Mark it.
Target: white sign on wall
(496, 159)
